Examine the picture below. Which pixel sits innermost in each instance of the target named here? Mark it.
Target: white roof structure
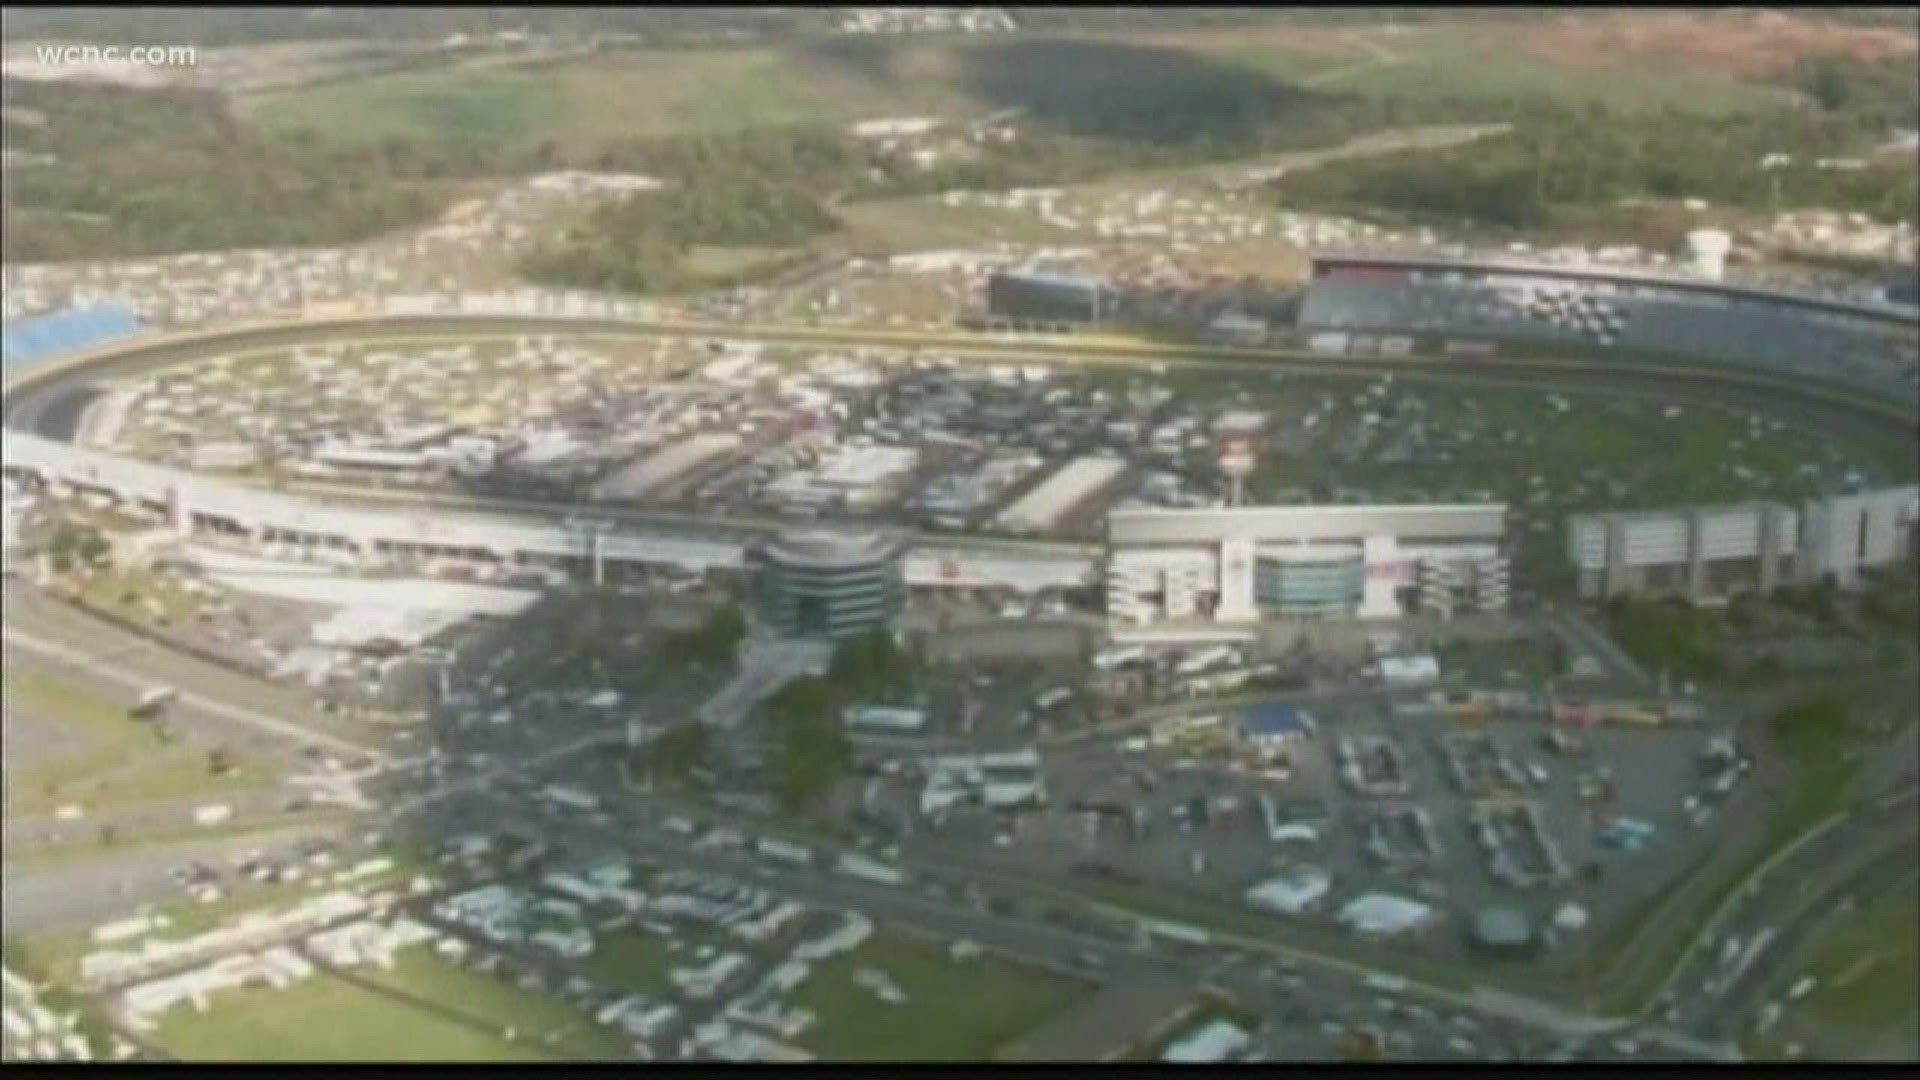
(880, 716)
(1039, 509)
(1219, 1040)
(1570, 917)
(663, 466)
(865, 466)
(1409, 669)
(1384, 915)
(1292, 892)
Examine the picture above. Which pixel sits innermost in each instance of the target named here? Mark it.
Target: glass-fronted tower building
(1309, 580)
(827, 584)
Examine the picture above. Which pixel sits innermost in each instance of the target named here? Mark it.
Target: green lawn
(1487, 71)
(326, 1019)
(955, 1010)
(121, 761)
(618, 95)
(1471, 61)
(1869, 967)
(537, 1018)
(632, 960)
(1688, 641)
(128, 593)
(1817, 737)
(645, 92)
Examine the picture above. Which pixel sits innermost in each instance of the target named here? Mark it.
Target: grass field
(113, 760)
(143, 597)
(668, 91)
(1869, 967)
(327, 1019)
(631, 960)
(620, 95)
(1482, 61)
(956, 1010)
(536, 1018)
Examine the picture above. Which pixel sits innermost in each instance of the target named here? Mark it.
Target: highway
(1862, 852)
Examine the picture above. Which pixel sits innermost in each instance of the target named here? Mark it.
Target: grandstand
(1874, 346)
(35, 340)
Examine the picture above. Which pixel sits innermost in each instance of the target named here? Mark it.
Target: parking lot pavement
(1203, 831)
(1027, 928)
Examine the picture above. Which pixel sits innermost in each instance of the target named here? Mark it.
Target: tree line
(1557, 162)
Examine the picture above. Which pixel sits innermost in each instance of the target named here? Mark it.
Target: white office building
(1241, 564)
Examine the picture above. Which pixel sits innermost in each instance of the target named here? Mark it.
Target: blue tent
(1275, 723)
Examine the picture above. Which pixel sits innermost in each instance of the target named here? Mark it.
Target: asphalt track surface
(35, 400)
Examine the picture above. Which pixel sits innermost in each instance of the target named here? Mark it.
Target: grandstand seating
(35, 340)
(1881, 354)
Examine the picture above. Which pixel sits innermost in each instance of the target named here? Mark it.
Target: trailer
(859, 866)
(1392, 984)
(797, 854)
(152, 702)
(1184, 933)
(570, 798)
(1207, 659)
(1119, 657)
(1053, 699)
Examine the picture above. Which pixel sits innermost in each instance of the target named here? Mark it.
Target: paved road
(47, 627)
(763, 669)
(493, 776)
(117, 671)
(1791, 898)
(1575, 627)
(1831, 902)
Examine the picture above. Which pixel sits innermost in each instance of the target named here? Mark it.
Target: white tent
(1570, 917)
(1384, 915)
(1292, 892)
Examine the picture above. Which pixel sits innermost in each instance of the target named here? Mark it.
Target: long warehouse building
(1245, 563)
